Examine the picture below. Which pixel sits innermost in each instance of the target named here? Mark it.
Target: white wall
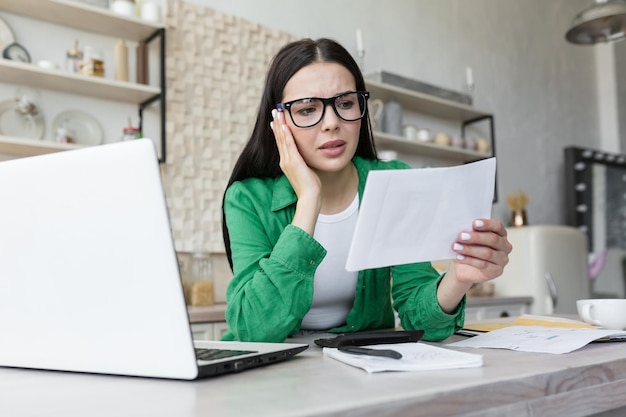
(541, 89)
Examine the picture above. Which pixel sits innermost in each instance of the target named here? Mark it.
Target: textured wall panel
(216, 66)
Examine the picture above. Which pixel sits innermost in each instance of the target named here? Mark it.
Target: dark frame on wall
(595, 194)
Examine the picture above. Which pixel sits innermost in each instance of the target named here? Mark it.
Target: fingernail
(273, 114)
(272, 125)
(465, 236)
(479, 223)
(460, 257)
(457, 246)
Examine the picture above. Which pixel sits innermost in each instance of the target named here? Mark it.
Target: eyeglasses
(307, 112)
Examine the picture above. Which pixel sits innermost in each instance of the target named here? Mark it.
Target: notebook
(89, 278)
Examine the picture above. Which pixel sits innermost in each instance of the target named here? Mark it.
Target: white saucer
(81, 127)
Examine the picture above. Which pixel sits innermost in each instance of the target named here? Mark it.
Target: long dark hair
(260, 158)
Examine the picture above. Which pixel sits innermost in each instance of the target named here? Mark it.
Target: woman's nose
(330, 120)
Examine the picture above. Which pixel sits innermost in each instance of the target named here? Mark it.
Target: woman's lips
(333, 147)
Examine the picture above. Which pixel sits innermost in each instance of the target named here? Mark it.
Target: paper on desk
(415, 215)
(415, 357)
(539, 339)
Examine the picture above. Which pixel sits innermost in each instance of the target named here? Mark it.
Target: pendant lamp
(605, 21)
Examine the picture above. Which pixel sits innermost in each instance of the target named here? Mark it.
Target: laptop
(89, 278)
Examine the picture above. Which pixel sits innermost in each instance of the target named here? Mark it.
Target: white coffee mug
(423, 135)
(409, 132)
(123, 7)
(609, 313)
(151, 12)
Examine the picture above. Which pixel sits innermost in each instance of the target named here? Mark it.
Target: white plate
(81, 127)
(14, 124)
(6, 35)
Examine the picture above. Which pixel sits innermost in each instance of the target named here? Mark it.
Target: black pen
(387, 353)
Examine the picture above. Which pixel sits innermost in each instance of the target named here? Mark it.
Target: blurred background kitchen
(511, 58)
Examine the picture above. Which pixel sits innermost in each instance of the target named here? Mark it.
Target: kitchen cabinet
(208, 331)
(207, 322)
(433, 107)
(487, 308)
(93, 19)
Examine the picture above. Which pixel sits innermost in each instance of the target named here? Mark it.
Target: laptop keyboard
(213, 354)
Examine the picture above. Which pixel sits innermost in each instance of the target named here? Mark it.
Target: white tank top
(333, 286)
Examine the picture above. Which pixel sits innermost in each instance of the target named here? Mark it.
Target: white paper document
(539, 339)
(415, 357)
(415, 215)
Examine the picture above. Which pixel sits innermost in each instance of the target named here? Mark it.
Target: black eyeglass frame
(326, 102)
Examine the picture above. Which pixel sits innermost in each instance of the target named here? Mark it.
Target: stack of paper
(415, 357)
(542, 339)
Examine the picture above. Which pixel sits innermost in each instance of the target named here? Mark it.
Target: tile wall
(215, 69)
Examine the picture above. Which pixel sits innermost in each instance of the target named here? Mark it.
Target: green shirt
(274, 263)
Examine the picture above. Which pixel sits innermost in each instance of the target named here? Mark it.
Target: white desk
(510, 383)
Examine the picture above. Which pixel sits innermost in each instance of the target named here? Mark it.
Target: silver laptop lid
(89, 278)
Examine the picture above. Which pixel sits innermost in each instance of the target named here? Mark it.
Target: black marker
(386, 353)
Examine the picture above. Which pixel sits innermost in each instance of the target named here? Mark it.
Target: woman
(290, 209)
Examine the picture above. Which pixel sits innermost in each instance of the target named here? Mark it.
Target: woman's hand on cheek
(482, 253)
(302, 178)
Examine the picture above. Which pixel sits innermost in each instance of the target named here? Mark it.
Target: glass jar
(73, 58)
(93, 62)
(199, 287)
(131, 133)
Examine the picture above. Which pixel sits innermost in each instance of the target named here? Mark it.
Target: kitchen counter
(476, 301)
(215, 312)
(206, 314)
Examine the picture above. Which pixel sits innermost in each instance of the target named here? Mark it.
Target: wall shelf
(427, 149)
(31, 147)
(423, 103)
(81, 16)
(436, 107)
(13, 72)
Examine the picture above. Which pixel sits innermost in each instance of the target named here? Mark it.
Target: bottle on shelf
(73, 58)
(392, 118)
(130, 132)
(198, 281)
(121, 60)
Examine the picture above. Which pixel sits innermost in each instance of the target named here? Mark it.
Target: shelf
(31, 147)
(77, 15)
(82, 16)
(398, 143)
(13, 72)
(423, 103)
